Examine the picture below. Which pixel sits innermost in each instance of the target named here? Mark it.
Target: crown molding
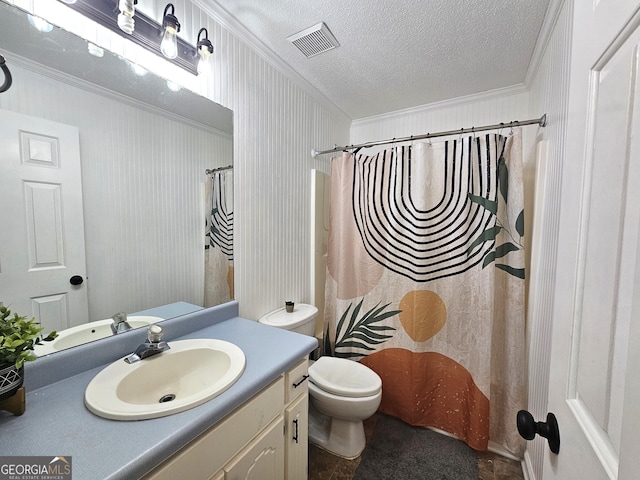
(228, 21)
(453, 102)
(544, 36)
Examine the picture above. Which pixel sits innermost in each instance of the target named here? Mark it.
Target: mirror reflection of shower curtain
(218, 278)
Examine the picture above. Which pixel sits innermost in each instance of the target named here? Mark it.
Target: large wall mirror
(105, 198)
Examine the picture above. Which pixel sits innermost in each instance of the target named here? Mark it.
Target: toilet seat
(344, 377)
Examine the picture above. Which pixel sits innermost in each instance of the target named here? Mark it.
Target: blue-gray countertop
(57, 423)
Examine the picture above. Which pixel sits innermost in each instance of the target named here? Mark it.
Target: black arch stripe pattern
(432, 242)
(220, 230)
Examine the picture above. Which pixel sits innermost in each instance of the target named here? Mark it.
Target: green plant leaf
(503, 178)
(488, 235)
(17, 337)
(490, 205)
(488, 258)
(348, 354)
(499, 252)
(354, 344)
(516, 272)
(371, 340)
(342, 319)
(326, 343)
(520, 223)
(363, 333)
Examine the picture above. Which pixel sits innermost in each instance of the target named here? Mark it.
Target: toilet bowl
(342, 392)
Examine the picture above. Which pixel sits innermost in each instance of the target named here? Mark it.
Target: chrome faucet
(120, 323)
(152, 346)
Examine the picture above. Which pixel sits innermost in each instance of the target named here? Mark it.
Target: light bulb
(169, 44)
(205, 49)
(203, 62)
(125, 17)
(171, 26)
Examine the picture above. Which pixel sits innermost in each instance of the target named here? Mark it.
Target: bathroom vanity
(255, 429)
(249, 443)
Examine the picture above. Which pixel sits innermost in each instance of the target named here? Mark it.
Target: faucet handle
(119, 317)
(154, 333)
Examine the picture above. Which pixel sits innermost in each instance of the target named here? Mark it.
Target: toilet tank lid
(302, 313)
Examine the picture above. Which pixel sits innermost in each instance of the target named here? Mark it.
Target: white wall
(548, 92)
(502, 105)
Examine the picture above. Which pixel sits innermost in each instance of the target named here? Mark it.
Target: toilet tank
(301, 320)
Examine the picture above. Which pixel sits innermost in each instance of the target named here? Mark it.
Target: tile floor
(324, 466)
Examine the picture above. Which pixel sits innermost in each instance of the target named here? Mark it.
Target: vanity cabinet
(266, 438)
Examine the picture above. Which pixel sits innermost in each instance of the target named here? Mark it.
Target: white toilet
(343, 393)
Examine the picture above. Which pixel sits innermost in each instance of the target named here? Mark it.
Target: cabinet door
(262, 459)
(297, 439)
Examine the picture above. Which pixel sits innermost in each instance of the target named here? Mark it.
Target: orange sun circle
(423, 314)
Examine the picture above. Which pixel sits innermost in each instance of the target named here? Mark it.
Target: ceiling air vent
(314, 40)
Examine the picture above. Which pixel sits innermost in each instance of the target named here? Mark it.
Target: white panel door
(596, 291)
(41, 218)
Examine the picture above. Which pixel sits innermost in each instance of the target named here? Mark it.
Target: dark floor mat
(400, 451)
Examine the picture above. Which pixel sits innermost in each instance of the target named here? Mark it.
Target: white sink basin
(191, 373)
(89, 332)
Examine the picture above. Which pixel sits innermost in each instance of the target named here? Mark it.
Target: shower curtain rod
(542, 121)
(219, 169)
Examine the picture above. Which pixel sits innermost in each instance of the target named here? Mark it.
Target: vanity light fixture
(171, 27)
(205, 49)
(125, 17)
(148, 33)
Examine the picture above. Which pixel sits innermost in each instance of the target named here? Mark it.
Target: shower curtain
(218, 285)
(425, 282)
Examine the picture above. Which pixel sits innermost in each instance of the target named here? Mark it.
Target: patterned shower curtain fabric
(219, 239)
(220, 219)
(425, 282)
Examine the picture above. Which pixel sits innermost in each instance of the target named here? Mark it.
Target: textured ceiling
(396, 54)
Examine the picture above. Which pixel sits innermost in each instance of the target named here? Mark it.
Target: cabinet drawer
(208, 453)
(296, 381)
